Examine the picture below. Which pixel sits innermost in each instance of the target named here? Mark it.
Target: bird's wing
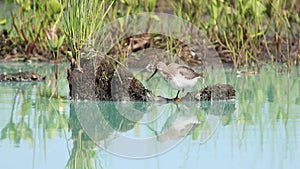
(166, 75)
(188, 73)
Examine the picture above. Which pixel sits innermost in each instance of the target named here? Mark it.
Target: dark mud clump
(99, 79)
(214, 92)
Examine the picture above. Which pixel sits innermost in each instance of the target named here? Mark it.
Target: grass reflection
(83, 153)
(29, 111)
(30, 107)
(15, 131)
(267, 102)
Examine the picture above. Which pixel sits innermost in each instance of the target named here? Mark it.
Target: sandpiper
(179, 76)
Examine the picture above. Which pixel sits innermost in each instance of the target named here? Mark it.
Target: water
(40, 128)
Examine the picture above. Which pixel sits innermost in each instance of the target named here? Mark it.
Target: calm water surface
(40, 128)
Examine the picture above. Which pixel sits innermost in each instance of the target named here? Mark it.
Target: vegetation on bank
(245, 32)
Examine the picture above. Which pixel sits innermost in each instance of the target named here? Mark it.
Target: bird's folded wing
(188, 73)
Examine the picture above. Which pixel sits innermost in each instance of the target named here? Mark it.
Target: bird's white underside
(179, 82)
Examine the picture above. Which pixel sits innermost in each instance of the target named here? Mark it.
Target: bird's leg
(177, 94)
(177, 99)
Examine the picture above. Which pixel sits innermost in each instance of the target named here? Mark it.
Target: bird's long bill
(155, 71)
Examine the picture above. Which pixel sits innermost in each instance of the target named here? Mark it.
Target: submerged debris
(21, 77)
